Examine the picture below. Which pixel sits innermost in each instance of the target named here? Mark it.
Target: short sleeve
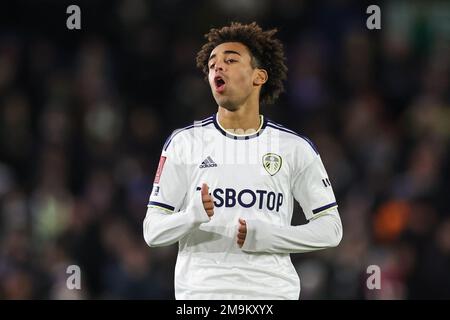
(170, 182)
(312, 188)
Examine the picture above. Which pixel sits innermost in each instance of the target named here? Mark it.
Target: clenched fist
(207, 200)
(242, 232)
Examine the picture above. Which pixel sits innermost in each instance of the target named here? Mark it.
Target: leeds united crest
(272, 163)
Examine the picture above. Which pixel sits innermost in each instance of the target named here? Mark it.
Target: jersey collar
(240, 136)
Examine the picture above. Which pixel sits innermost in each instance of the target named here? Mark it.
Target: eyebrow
(225, 52)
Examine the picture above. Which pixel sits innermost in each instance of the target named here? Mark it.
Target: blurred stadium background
(84, 114)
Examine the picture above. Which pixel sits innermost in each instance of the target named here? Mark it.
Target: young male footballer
(225, 186)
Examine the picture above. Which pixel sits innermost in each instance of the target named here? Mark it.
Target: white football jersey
(252, 175)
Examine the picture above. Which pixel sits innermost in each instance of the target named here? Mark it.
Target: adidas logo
(208, 163)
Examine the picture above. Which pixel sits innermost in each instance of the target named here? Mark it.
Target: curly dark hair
(267, 53)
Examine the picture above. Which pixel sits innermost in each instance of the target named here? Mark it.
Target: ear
(260, 77)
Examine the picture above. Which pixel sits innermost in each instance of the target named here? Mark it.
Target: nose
(218, 66)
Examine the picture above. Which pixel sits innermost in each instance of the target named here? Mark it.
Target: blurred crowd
(84, 115)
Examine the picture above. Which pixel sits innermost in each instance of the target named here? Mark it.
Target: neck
(243, 119)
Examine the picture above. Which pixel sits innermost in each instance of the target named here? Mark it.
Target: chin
(227, 104)
(230, 107)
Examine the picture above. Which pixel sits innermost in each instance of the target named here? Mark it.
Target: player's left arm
(312, 189)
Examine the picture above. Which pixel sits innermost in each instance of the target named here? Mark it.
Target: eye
(230, 60)
(211, 65)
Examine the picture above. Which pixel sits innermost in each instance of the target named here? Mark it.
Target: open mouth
(220, 83)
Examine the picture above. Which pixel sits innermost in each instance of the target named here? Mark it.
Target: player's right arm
(165, 223)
